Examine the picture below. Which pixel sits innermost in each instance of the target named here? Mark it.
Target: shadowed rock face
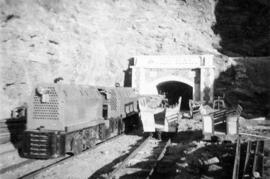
(245, 81)
(244, 30)
(243, 26)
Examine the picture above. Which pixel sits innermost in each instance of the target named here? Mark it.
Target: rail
(134, 153)
(159, 158)
(126, 168)
(58, 161)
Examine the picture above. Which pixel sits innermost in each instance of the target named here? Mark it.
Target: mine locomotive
(71, 118)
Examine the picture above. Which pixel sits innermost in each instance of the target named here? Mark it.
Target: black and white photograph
(135, 89)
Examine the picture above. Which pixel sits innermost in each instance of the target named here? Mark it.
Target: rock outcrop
(245, 81)
(90, 42)
(243, 26)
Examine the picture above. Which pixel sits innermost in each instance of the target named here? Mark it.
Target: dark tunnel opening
(173, 90)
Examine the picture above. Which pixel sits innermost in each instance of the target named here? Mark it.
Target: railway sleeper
(250, 163)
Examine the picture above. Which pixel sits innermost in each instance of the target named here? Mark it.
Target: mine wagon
(155, 115)
(222, 123)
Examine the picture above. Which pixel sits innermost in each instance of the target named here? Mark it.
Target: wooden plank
(161, 155)
(247, 159)
(134, 153)
(237, 159)
(258, 158)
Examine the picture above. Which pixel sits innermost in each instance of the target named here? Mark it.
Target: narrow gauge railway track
(142, 161)
(249, 160)
(18, 165)
(58, 161)
(8, 151)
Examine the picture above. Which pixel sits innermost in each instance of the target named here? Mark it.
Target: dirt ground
(188, 156)
(84, 165)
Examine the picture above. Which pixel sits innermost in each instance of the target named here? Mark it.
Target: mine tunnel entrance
(173, 90)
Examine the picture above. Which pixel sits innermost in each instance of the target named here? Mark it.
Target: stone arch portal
(189, 75)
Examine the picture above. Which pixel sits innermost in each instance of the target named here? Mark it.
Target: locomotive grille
(39, 144)
(48, 110)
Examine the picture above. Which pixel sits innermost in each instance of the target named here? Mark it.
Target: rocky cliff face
(245, 81)
(90, 42)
